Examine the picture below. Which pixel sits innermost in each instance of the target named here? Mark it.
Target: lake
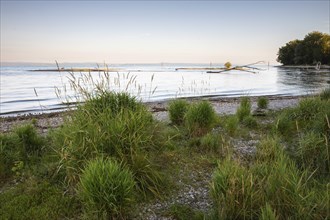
(24, 91)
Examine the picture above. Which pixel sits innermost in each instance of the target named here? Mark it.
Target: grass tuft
(262, 102)
(244, 110)
(200, 118)
(177, 110)
(106, 188)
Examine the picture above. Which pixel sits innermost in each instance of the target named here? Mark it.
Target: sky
(155, 31)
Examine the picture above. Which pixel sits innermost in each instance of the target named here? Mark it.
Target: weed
(177, 110)
(106, 188)
(262, 102)
(200, 118)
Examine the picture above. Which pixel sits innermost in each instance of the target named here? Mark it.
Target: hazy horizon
(138, 32)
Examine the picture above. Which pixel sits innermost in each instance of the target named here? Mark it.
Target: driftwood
(244, 68)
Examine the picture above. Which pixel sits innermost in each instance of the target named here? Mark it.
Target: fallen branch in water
(244, 68)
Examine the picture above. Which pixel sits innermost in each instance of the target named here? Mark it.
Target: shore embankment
(222, 106)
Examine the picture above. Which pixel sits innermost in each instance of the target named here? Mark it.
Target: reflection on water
(24, 91)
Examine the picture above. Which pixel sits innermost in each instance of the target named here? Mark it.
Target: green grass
(262, 102)
(244, 110)
(106, 188)
(68, 174)
(325, 94)
(177, 110)
(200, 118)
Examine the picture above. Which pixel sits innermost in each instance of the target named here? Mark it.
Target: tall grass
(106, 188)
(112, 124)
(262, 102)
(200, 118)
(274, 180)
(177, 110)
(306, 128)
(19, 148)
(244, 110)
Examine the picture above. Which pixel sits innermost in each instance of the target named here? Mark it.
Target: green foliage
(227, 65)
(184, 212)
(200, 118)
(126, 132)
(239, 192)
(177, 110)
(37, 200)
(262, 102)
(307, 129)
(106, 188)
(250, 122)
(19, 148)
(315, 47)
(211, 142)
(267, 213)
(244, 109)
(30, 141)
(231, 124)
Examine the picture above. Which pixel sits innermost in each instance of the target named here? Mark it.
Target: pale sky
(155, 31)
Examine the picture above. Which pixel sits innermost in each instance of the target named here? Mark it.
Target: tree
(286, 53)
(314, 48)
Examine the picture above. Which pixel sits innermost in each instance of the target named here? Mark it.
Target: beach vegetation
(262, 102)
(111, 159)
(200, 118)
(177, 110)
(244, 110)
(106, 188)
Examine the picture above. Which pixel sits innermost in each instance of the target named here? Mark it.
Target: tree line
(314, 48)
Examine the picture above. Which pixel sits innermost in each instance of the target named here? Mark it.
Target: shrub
(106, 188)
(177, 110)
(200, 118)
(262, 102)
(244, 109)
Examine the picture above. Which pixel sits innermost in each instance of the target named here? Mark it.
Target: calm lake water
(24, 91)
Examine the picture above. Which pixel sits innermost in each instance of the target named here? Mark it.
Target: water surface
(24, 91)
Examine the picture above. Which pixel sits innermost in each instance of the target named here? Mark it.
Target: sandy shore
(221, 105)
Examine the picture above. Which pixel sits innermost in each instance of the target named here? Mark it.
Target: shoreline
(222, 106)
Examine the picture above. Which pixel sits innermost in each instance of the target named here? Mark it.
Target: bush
(200, 118)
(106, 188)
(177, 110)
(244, 109)
(262, 102)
